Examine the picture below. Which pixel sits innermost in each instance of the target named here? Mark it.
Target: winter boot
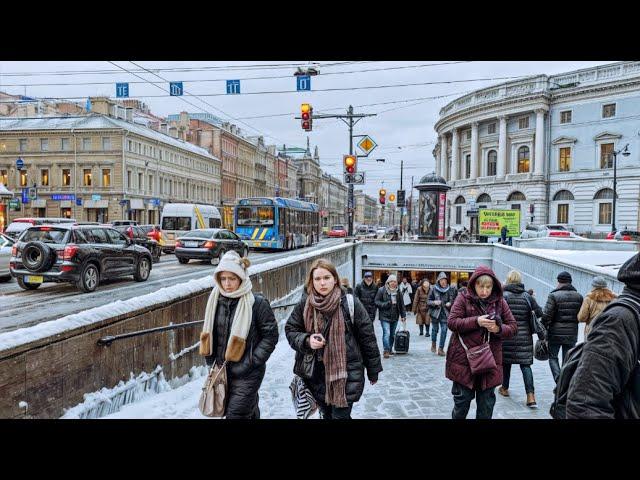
(433, 347)
(441, 352)
(386, 355)
(421, 329)
(531, 401)
(505, 392)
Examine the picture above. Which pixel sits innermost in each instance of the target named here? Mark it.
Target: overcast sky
(403, 131)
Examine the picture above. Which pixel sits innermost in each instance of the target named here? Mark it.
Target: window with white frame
(523, 122)
(523, 159)
(106, 143)
(491, 128)
(64, 144)
(22, 144)
(606, 155)
(468, 135)
(467, 166)
(563, 213)
(565, 116)
(605, 208)
(44, 144)
(564, 164)
(608, 111)
(87, 176)
(492, 163)
(86, 143)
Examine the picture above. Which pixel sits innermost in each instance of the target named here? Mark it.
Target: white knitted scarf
(241, 319)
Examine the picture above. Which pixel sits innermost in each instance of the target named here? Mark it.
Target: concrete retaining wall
(568, 244)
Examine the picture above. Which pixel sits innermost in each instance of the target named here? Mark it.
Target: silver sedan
(5, 254)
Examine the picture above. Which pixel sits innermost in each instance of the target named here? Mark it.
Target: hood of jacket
(514, 288)
(601, 295)
(496, 292)
(566, 286)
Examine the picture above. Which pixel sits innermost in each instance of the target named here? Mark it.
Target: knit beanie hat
(599, 282)
(564, 277)
(391, 278)
(441, 275)
(231, 262)
(629, 272)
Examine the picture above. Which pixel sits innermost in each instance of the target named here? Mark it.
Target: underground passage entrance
(416, 276)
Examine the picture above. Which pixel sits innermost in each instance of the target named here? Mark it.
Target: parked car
(381, 232)
(139, 237)
(19, 225)
(548, 230)
(371, 233)
(154, 232)
(80, 254)
(117, 223)
(627, 235)
(5, 255)
(337, 231)
(208, 244)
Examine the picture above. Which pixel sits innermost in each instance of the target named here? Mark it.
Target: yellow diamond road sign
(367, 144)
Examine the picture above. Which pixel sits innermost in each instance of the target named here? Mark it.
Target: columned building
(544, 145)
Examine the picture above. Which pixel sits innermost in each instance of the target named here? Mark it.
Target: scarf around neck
(440, 289)
(240, 325)
(335, 350)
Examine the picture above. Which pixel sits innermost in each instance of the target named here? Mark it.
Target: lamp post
(624, 151)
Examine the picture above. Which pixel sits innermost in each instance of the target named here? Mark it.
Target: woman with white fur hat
(241, 330)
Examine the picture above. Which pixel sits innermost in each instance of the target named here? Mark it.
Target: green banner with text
(492, 221)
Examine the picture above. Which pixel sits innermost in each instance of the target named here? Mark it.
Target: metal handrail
(108, 340)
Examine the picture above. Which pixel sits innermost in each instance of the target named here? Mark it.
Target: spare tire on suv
(38, 256)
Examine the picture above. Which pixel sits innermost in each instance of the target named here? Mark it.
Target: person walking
(344, 282)
(406, 292)
(503, 235)
(366, 293)
(241, 330)
(608, 374)
(518, 350)
(321, 322)
(480, 314)
(390, 308)
(423, 319)
(560, 318)
(440, 300)
(594, 302)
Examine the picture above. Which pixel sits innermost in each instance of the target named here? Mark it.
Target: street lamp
(624, 151)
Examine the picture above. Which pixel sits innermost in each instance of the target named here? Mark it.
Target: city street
(21, 308)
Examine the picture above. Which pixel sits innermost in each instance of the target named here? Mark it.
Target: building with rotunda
(544, 145)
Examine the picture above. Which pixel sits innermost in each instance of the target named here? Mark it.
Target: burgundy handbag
(480, 357)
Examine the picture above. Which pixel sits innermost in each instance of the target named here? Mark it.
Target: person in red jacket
(470, 318)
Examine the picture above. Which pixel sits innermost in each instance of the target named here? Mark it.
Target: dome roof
(432, 178)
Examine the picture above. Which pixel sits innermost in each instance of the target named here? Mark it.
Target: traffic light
(350, 164)
(392, 197)
(306, 113)
(383, 193)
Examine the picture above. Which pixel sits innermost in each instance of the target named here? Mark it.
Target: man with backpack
(601, 378)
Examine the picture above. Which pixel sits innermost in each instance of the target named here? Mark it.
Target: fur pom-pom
(244, 262)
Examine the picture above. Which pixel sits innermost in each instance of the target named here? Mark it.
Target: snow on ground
(607, 262)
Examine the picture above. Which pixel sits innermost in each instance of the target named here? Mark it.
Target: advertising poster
(429, 214)
(491, 222)
(441, 205)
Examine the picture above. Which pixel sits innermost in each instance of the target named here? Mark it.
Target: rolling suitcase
(401, 343)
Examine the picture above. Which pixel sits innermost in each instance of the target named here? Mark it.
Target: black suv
(208, 244)
(79, 254)
(139, 236)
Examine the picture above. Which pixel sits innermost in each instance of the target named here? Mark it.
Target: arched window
(516, 197)
(459, 200)
(523, 159)
(563, 195)
(484, 198)
(492, 163)
(605, 193)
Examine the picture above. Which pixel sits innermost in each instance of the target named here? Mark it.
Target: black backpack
(558, 408)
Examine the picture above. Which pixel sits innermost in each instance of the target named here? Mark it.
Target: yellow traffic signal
(392, 197)
(383, 192)
(349, 163)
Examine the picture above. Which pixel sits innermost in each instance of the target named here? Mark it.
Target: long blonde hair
(514, 276)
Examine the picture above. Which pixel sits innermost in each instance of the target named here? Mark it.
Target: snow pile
(603, 262)
(120, 307)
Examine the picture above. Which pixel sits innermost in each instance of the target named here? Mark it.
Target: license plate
(191, 244)
(34, 279)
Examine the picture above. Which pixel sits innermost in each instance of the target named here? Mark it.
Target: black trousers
(331, 412)
(462, 396)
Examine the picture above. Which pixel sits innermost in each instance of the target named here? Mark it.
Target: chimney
(163, 128)
(184, 120)
(102, 105)
(173, 132)
(129, 114)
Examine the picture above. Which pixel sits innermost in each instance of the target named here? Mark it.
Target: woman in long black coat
(518, 350)
(344, 346)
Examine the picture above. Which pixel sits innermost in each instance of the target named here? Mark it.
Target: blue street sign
(25, 195)
(304, 83)
(64, 196)
(96, 198)
(79, 202)
(233, 87)
(122, 90)
(19, 163)
(175, 89)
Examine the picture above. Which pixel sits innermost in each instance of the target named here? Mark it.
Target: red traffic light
(382, 199)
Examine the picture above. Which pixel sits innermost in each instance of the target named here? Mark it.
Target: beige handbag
(213, 400)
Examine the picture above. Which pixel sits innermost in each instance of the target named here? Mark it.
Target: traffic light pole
(350, 119)
(401, 216)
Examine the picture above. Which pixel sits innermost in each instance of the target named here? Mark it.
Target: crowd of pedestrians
(331, 330)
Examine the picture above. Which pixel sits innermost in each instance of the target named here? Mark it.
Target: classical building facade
(333, 201)
(100, 168)
(366, 212)
(544, 145)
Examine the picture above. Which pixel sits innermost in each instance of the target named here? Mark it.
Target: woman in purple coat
(477, 312)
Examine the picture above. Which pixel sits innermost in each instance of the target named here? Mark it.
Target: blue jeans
(554, 349)
(388, 334)
(462, 396)
(527, 376)
(442, 326)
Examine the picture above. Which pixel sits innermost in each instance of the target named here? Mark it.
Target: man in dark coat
(503, 235)
(366, 293)
(606, 383)
(561, 320)
(245, 376)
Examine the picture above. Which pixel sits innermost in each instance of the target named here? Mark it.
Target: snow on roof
(96, 121)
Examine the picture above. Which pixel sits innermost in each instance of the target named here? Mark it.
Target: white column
(454, 154)
(539, 146)
(438, 162)
(443, 153)
(502, 148)
(474, 150)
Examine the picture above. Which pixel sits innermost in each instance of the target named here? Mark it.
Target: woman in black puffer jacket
(344, 347)
(518, 350)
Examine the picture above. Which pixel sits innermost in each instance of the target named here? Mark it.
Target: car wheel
(143, 270)
(27, 286)
(89, 278)
(183, 260)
